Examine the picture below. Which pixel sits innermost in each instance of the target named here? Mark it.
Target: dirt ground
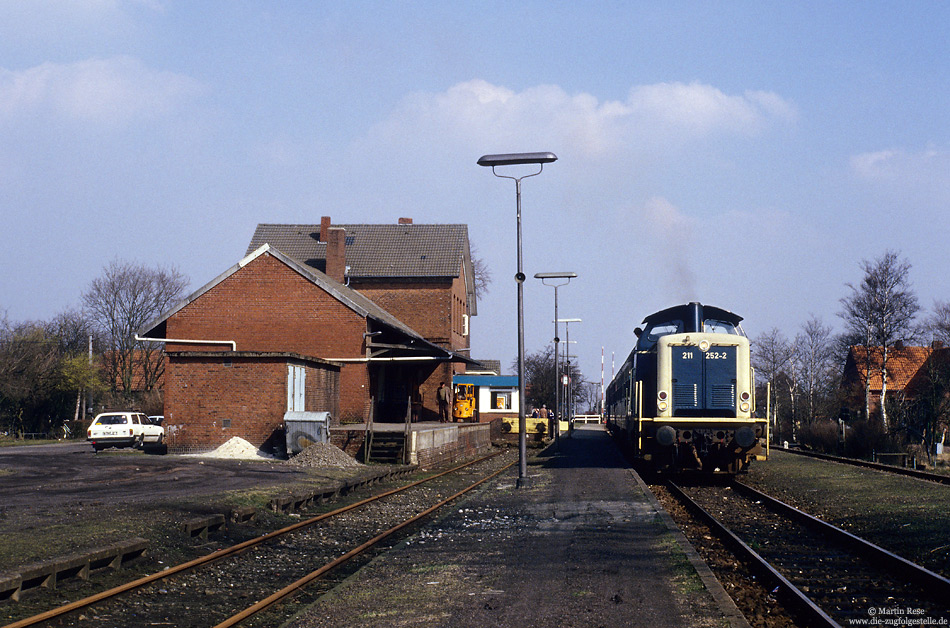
(63, 498)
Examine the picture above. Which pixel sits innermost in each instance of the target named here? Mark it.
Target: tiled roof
(376, 251)
(351, 298)
(903, 363)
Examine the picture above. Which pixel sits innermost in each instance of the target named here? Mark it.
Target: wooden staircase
(387, 447)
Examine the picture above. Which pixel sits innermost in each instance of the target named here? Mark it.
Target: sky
(748, 155)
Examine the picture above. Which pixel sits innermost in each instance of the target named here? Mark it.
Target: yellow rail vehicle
(463, 408)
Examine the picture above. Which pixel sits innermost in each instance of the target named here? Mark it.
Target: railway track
(244, 584)
(914, 473)
(822, 575)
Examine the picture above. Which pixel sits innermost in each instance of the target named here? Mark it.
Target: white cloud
(926, 172)
(479, 113)
(698, 110)
(104, 91)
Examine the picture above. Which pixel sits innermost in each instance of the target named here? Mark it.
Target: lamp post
(545, 277)
(569, 398)
(513, 159)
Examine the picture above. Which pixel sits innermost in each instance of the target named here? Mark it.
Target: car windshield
(111, 419)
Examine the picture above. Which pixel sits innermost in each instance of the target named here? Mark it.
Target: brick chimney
(405, 221)
(324, 229)
(336, 253)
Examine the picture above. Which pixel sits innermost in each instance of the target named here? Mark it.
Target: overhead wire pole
(513, 159)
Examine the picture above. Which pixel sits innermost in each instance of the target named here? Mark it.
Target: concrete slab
(580, 545)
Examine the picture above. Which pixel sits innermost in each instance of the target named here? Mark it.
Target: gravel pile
(238, 449)
(324, 455)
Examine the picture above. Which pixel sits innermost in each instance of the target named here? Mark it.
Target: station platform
(581, 543)
(426, 444)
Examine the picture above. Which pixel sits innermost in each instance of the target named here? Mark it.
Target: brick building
(421, 274)
(906, 374)
(272, 334)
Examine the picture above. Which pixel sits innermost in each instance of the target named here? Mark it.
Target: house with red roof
(906, 374)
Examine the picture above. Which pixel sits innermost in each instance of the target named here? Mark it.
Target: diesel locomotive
(684, 400)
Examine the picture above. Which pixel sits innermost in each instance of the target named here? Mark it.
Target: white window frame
(296, 388)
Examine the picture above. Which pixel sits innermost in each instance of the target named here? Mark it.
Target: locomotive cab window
(712, 326)
(655, 331)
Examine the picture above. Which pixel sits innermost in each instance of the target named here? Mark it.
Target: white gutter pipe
(190, 342)
(397, 359)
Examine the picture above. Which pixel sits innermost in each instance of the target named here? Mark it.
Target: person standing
(442, 395)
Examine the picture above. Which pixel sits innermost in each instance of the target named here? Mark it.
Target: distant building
(906, 373)
(496, 395)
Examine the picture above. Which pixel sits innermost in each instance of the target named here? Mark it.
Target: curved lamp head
(512, 159)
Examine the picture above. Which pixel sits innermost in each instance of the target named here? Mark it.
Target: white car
(124, 429)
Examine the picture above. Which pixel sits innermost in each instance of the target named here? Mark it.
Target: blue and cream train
(684, 400)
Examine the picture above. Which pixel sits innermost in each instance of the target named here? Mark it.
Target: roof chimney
(336, 253)
(324, 229)
(405, 221)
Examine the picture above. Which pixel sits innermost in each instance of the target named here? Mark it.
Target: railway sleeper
(48, 573)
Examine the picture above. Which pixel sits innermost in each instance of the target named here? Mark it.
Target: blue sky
(744, 154)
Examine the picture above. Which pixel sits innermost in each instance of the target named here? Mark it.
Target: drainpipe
(191, 342)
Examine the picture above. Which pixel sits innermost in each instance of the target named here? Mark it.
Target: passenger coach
(684, 399)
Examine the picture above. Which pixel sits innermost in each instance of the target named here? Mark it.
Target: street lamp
(545, 277)
(569, 398)
(514, 159)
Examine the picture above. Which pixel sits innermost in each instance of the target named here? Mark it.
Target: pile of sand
(324, 455)
(239, 449)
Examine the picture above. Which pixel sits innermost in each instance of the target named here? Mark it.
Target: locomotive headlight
(704, 346)
(744, 406)
(662, 396)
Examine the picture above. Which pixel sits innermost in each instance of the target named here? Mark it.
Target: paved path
(580, 545)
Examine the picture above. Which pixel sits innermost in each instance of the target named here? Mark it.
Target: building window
(501, 400)
(296, 388)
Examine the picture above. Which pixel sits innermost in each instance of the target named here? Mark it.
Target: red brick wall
(425, 307)
(209, 400)
(434, 310)
(268, 306)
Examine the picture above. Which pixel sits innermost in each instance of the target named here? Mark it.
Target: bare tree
(882, 310)
(121, 301)
(937, 325)
(79, 373)
(482, 274)
(28, 376)
(815, 356)
(772, 358)
(540, 380)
